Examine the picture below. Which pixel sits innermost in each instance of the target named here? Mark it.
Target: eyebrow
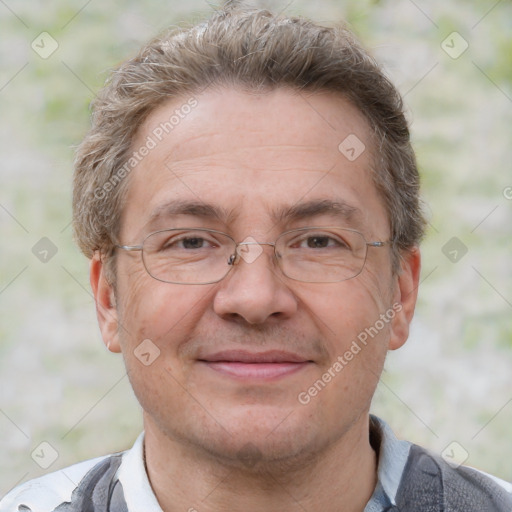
(337, 208)
(177, 207)
(333, 207)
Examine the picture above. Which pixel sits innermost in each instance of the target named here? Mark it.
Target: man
(248, 199)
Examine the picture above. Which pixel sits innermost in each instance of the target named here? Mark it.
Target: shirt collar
(393, 455)
(132, 474)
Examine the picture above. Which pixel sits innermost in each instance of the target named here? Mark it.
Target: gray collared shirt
(119, 482)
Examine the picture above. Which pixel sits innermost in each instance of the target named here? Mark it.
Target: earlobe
(104, 297)
(405, 296)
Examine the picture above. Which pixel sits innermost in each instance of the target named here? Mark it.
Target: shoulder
(46, 493)
(429, 480)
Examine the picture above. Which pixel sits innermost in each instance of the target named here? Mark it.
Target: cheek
(164, 313)
(356, 338)
(155, 319)
(134, 303)
(346, 309)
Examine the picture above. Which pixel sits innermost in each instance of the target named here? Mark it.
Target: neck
(340, 477)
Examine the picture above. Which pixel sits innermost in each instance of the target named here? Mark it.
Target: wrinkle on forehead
(263, 158)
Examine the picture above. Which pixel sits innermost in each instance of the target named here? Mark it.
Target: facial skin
(250, 155)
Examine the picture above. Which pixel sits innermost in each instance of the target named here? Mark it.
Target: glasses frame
(235, 257)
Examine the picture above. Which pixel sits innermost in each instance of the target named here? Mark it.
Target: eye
(191, 243)
(319, 241)
(187, 242)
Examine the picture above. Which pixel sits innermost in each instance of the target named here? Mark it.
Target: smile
(264, 366)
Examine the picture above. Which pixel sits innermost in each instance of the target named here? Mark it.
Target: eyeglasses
(206, 256)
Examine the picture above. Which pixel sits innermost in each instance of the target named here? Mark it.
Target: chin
(258, 439)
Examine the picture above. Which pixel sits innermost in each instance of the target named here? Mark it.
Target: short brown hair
(257, 50)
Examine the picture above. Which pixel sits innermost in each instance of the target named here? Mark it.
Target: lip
(244, 356)
(244, 365)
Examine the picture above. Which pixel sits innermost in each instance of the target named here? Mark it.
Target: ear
(104, 297)
(404, 298)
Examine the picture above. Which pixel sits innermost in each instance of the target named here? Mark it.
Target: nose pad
(249, 250)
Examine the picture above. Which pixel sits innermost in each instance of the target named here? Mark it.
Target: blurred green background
(452, 382)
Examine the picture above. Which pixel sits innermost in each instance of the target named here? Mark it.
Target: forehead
(252, 157)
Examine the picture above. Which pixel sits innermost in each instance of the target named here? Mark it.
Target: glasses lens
(321, 255)
(186, 256)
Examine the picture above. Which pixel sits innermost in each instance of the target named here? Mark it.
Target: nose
(255, 290)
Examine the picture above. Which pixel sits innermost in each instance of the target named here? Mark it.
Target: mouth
(244, 365)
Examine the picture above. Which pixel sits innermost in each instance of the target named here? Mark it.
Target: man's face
(249, 156)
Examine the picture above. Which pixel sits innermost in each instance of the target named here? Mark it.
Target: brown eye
(192, 243)
(320, 241)
(315, 242)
